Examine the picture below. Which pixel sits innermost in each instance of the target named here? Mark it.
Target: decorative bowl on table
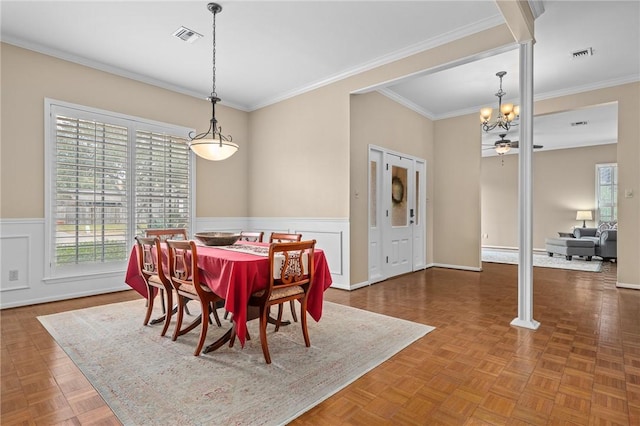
(217, 238)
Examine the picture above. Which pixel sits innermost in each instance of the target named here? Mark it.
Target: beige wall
(308, 136)
(377, 120)
(563, 182)
(456, 200)
(28, 78)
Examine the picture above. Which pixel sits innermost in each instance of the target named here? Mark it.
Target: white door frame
(377, 230)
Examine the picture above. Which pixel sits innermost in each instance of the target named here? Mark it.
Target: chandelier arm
(201, 135)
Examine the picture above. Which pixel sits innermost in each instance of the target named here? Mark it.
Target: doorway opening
(397, 218)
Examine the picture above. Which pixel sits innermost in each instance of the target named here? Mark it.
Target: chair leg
(279, 318)
(215, 314)
(181, 309)
(292, 305)
(206, 310)
(150, 298)
(303, 321)
(164, 308)
(264, 314)
(169, 313)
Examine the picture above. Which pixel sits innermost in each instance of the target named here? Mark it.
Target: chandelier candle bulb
(507, 108)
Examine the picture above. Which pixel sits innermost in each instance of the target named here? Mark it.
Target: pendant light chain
(213, 64)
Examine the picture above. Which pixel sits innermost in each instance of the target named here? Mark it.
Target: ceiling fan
(502, 146)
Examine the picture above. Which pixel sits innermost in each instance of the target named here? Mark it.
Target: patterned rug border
(134, 399)
(542, 260)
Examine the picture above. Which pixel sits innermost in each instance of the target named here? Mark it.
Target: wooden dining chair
(185, 279)
(152, 271)
(164, 234)
(254, 237)
(281, 237)
(291, 272)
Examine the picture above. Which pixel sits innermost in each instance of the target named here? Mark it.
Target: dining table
(234, 273)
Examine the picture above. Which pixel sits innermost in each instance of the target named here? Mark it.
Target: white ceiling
(270, 50)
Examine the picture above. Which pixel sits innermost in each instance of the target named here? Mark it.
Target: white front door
(398, 201)
(397, 206)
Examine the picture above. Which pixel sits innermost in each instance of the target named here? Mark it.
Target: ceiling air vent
(185, 34)
(582, 53)
(579, 123)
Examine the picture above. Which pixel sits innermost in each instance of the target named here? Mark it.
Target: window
(111, 177)
(606, 192)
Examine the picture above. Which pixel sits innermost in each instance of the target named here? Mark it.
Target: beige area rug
(543, 260)
(150, 380)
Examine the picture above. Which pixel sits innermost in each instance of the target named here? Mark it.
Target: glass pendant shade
(485, 114)
(502, 148)
(213, 149)
(506, 109)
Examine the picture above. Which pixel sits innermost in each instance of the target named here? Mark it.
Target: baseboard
(65, 296)
(462, 268)
(629, 286)
(515, 249)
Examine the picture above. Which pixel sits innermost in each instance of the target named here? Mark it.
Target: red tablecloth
(235, 276)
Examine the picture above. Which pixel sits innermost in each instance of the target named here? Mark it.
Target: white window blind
(91, 191)
(111, 177)
(607, 192)
(163, 199)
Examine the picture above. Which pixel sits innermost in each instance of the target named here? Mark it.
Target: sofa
(604, 237)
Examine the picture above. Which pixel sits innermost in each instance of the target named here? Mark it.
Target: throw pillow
(606, 225)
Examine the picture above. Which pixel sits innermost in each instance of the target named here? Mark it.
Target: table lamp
(584, 215)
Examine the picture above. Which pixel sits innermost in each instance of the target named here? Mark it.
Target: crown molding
(468, 30)
(406, 103)
(547, 95)
(588, 87)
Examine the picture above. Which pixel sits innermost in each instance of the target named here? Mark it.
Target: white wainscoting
(22, 257)
(331, 235)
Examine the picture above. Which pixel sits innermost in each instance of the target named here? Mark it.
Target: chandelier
(507, 113)
(212, 144)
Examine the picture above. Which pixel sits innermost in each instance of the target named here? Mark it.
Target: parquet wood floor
(581, 367)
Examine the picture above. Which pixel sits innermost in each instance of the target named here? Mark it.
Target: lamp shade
(584, 215)
(213, 149)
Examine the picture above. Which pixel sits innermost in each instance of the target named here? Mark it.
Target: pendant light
(212, 144)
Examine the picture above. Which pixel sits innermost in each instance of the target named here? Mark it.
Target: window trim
(53, 106)
(597, 218)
